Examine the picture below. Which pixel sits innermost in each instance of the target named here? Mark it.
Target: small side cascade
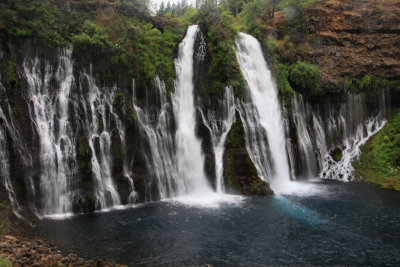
(320, 141)
(5, 168)
(219, 125)
(256, 140)
(10, 136)
(49, 114)
(97, 107)
(355, 125)
(343, 169)
(307, 158)
(161, 143)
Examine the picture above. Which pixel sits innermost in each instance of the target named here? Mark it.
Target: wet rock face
(352, 38)
(240, 174)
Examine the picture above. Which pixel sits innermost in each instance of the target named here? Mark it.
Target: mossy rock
(12, 81)
(337, 154)
(240, 173)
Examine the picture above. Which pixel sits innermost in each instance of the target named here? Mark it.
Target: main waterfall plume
(188, 147)
(264, 96)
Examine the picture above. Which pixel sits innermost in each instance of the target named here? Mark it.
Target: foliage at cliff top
(380, 158)
(223, 19)
(113, 35)
(305, 78)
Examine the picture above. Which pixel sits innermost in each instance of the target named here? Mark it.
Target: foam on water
(211, 200)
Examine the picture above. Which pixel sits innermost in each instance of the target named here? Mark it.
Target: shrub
(304, 78)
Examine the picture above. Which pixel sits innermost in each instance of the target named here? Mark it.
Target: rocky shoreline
(37, 252)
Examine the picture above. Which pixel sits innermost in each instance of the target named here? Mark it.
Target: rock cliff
(352, 38)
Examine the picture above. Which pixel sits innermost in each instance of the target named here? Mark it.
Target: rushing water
(161, 143)
(264, 95)
(188, 147)
(98, 130)
(219, 123)
(333, 223)
(49, 114)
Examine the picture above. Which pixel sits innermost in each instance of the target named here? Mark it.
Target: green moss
(11, 76)
(282, 79)
(84, 156)
(372, 86)
(380, 158)
(118, 104)
(337, 154)
(4, 262)
(5, 217)
(240, 173)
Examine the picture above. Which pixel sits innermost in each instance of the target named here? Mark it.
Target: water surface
(327, 223)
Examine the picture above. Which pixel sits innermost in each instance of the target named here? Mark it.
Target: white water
(189, 156)
(306, 148)
(347, 127)
(7, 125)
(125, 165)
(161, 143)
(97, 122)
(219, 125)
(5, 169)
(343, 170)
(264, 95)
(49, 114)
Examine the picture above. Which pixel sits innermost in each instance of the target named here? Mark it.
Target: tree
(253, 11)
(162, 10)
(234, 6)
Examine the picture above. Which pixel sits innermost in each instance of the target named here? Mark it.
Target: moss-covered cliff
(240, 174)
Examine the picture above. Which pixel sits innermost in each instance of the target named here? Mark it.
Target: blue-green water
(334, 224)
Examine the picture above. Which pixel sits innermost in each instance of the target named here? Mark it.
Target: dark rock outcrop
(240, 174)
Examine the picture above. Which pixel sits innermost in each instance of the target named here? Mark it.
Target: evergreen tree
(162, 10)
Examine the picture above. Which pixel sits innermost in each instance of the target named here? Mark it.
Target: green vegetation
(372, 85)
(304, 78)
(11, 75)
(337, 154)
(240, 173)
(115, 40)
(5, 217)
(4, 262)
(380, 158)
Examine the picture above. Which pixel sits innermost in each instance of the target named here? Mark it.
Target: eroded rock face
(352, 38)
(240, 174)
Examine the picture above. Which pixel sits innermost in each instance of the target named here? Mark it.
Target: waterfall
(49, 114)
(320, 139)
(219, 125)
(264, 95)
(5, 168)
(161, 143)
(127, 171)
(355, 126)
(13, 138)
(189, 156)
(256, 140)
(307, 155)
(97, 108)
(343, 169)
